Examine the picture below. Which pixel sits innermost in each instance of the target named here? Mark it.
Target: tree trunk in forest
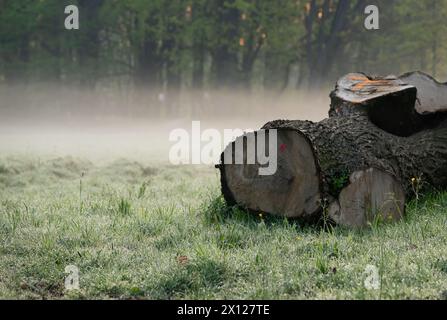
(149, 63)
(173, 90)
(315, 66)
(329, 40)
(225, 68)
(173, 75)
(89, 52)
(147, 76)
(225, 63)
(276, 73)
(309, 20)
(198, 74)
(326, 52)
(16, 63)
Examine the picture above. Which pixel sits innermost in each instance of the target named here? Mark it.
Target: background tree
(166, 48)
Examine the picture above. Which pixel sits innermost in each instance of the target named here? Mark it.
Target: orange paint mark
(365, 82)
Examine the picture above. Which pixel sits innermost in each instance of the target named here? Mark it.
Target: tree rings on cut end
(372, 195)
(292, 191)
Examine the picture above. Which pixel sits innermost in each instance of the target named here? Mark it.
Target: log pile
(383, 136)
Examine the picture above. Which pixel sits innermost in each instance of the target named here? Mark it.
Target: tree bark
(198, 74)
(345, 150)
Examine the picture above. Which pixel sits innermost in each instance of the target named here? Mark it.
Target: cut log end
(401, 106)
(358, 88)
(372, 195)
(388, 102)
(292, 191)
(431, 95)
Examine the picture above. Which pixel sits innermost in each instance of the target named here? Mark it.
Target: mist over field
(64, 121)
(135, 70)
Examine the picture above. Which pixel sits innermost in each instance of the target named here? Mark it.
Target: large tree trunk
(345, 167)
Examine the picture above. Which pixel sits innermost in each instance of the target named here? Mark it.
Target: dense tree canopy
(199, 44)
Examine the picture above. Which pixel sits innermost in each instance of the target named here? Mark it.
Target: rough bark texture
(343, 146)
(353, 143)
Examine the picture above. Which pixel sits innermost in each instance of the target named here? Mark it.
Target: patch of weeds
(441, 265)
(290, 287)
(115, 289)
(142, 190)
(327, 249)
(325, 252)
(375, 219)
(338, 182)
(150, 228)
(75, 295)
(14, 220)
(325, 221)
(201, 274)
(124, 207)
(217, 211)
(43, 288)
(322, 264)
(167, 241)
(231, 238)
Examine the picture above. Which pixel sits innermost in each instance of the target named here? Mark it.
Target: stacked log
(359, 165)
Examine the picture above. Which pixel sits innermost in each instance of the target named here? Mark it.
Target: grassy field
(145, 231)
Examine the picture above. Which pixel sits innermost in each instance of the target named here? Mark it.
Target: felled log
(399, 105)
(344, 167)
(431, 94)
(386, 139)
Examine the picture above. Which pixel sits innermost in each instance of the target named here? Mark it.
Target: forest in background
(164, 54)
